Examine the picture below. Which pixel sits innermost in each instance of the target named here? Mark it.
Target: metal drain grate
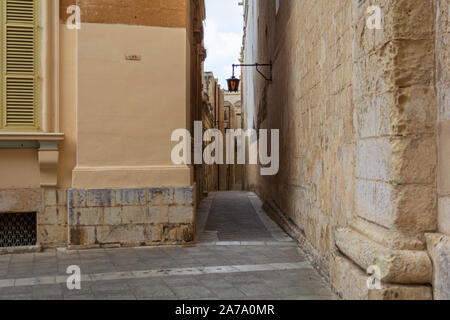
(17, 229)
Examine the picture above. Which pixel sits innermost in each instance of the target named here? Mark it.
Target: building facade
(87, 112)
(232, 101)
(211, 105)
(363, 118)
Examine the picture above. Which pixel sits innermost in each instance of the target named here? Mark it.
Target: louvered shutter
(19, 74)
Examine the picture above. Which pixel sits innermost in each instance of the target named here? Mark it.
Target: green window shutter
(20, 60)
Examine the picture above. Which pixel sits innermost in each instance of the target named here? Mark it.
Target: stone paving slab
(283, 274)
(233, 217)
(261, 265)
(234, 286)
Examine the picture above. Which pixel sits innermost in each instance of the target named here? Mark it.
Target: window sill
(31, 136)
(30, 140)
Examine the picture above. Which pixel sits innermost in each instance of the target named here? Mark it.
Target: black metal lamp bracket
(257, 65)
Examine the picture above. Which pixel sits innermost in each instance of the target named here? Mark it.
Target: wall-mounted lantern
(233, 82)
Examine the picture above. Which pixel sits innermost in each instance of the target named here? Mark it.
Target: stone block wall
(130, 217)
(438, 244)
(395, 152)
(50, 207)
(395, 112)
(311, 102)
(356, 108)
(53, 219)
(443, 91)
(95, 218)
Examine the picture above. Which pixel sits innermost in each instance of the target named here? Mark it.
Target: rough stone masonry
(364, 143)
(130, 217)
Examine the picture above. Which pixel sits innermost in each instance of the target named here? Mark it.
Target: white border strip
(49, 280)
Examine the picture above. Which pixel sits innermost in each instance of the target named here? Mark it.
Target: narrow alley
(240, 254)
(217, 149)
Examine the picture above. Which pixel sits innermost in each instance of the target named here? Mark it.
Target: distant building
(211, 106)
(233, 111)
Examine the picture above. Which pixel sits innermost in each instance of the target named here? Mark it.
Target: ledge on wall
(20, 250)
(30, 136)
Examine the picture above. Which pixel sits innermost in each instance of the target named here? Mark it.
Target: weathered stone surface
(53, 216)
(101, 198)
(181, 214)
(443, 58)
(350, 282)
(397, 160)
(120, 234)
(415, 113)
(439, 245)
(409, 208)
(131, 197)
(418, 53)
(136, 215)
(413, 19)
(79, 235)
(48, 216)
(161, 196)
(184, 196)
(444, 172)
(129, 217)
(155, 233)
(390, 239)
(50, 197)
(112, 216)
(129, 235)
(371, 116)
(76, 198)
(20, 200)
(356, 108)
(444, 215)
(444, 155)
(439, 250)
(186, 233)
(86, 216)
(180, 233)
(61, 195)
(51, 235)
(397, 266)
(374, 159)
(158, 215)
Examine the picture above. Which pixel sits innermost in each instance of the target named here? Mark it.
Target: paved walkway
(241, 254)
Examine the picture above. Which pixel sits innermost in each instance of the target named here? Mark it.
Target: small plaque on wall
(133, 57)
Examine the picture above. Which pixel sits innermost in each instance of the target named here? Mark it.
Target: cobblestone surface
(239, 255)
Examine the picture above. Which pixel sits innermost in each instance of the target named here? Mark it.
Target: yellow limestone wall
(127, 110)
(439, 243)
(139, 103)
(310, 101)
(443, 88)
(356, 109)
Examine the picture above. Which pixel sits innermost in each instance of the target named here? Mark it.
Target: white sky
(223, 37)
